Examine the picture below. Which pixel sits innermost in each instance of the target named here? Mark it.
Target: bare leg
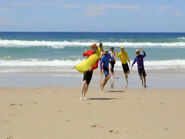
(126, 78)
(141, 80)
(104, 82)
(112, 80)
(84, 89)
(144, 82)
(101, 75)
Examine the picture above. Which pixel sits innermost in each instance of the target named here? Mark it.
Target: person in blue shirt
(140, 65)
(104, 66)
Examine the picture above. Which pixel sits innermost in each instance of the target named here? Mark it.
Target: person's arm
(144, 54)
(117, 54)
(114, 54)
(134, 62)
(101, 62)
(102, 53)
(85, 53)
(110, 56)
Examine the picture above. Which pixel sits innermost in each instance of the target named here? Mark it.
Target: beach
(56, 112)
(40, 89)
(92, 69)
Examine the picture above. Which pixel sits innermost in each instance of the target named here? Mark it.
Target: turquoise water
(59, 51)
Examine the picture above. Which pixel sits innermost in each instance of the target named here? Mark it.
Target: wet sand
(57, 113)
(155, 80)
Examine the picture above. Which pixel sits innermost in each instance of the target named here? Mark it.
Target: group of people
(109, 58)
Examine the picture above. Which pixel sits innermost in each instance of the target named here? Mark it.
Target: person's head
(137, 52)
(106, 50)
(101, 46)
(94, 47)
(122, 48)
(112, 49)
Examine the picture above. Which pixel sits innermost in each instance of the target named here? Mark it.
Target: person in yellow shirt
(123, 55)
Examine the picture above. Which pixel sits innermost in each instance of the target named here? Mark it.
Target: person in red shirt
(87, 76)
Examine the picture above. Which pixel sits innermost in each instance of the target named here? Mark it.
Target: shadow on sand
(116, 91)
(102, 98)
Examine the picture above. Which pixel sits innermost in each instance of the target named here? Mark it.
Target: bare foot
(84, 98)
(126, 83)
(102, 89)
(81, 98)
(126, 86)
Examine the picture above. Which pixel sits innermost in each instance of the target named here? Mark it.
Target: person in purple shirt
(140, 65)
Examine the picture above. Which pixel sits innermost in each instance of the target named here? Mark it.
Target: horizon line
(86, 32)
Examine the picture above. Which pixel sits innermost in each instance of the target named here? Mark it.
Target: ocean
(60, 51)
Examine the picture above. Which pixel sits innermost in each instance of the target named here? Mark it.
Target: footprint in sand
(68, 121)
(162, 103)
(166, 129)
(11, 114)
(10, 137)
(113, 131)
(5, 121)
(38, 92)
(33, 102)
(96, 126)
(13, 104)
(131, 131)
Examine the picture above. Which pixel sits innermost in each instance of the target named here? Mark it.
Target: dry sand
(57, 113)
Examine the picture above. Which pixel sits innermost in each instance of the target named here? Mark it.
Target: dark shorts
(106, 71)
(87, 76)
(142, 72)
(112, 66)
(125, 68)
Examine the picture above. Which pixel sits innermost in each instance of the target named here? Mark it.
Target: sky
(93, 15)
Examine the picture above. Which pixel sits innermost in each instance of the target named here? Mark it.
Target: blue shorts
(106, 71)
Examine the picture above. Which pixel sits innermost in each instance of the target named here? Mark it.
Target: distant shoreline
(86, 32)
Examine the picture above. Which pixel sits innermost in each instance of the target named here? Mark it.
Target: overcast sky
(93, 15)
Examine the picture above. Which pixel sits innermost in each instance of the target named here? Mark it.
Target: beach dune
(57, 113)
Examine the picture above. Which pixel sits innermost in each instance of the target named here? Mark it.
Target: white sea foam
(62, 44)
(61, 65)
(38, 63)
(181, 38)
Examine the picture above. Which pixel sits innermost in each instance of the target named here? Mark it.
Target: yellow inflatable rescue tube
(89, 62)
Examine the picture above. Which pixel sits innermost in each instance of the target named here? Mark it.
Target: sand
(57, 113)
